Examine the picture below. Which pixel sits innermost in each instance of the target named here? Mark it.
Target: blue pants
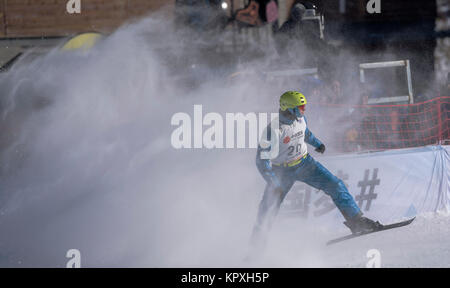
(312, 173)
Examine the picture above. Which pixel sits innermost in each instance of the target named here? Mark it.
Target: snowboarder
(293, 163)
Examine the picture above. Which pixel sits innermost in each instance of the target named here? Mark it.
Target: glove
(321, 148)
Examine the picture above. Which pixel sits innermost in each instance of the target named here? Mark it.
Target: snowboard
(382, 228)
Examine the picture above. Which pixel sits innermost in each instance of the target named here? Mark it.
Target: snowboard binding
(360, 224)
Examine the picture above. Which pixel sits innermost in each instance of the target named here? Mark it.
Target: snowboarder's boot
(361, 224)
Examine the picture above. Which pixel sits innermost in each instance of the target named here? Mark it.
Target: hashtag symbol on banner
(368, 183)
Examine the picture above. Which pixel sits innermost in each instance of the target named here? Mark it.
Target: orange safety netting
(379, 127)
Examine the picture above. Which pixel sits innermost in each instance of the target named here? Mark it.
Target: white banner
(387, 186)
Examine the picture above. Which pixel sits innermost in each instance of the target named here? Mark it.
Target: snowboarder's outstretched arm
(312, 140)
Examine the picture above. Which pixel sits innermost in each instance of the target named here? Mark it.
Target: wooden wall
(36, 18)
(2, 19)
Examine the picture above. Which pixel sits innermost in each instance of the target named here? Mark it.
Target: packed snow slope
(424, 243)
(86, 162)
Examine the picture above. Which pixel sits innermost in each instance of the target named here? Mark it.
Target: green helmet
(292, 99)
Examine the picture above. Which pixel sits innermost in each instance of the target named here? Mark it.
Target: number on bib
(296, 149)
